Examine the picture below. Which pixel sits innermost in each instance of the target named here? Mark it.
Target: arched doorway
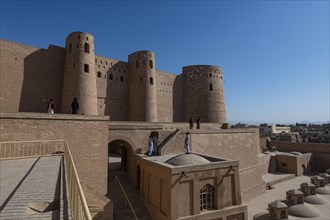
(120, 162)
(119, 153)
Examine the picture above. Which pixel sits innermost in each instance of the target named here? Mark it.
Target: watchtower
(142, 88)
(79, 74)
(203, 94)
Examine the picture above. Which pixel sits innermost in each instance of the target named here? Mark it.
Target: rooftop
(260, 204)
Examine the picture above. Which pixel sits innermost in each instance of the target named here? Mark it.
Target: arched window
(137, 64)
(121, 79)
(151, 81)
(211, 87)
(70, 48)
(111, 76)
(141, 79)
(99, 74)
(207, 197)
(151, 64)
(86, 47)
(86, 68)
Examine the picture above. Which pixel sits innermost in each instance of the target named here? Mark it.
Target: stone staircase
(167, 140)
(122, 211)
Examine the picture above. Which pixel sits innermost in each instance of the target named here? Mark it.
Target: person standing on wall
(198, 123)
(156, 144)
(187, 143)
(75, 106)
(191, 123)
(50, 106)
(150, 146)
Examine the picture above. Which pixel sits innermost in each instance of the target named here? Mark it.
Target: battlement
(195, 69)
(127, 91)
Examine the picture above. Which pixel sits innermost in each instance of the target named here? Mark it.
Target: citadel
(127, 91)
(121, 105)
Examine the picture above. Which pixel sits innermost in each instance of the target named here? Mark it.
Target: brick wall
(28, 75)
(86, 136)
(321, 152)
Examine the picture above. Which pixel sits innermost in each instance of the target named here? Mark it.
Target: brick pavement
(32, 182)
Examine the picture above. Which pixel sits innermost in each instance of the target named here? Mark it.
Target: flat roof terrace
(260, 204)
(31, 188)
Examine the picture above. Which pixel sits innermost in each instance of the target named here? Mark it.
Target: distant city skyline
(274, 54)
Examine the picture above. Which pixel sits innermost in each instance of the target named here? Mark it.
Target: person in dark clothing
(75, 106)
(191, 123)
(198, 123)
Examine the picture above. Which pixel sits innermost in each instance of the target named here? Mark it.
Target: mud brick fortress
(121, 104)
(127, 91)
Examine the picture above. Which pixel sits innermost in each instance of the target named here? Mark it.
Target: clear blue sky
(274, 54)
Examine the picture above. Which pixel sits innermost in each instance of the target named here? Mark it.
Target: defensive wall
(127, 91)
(320, 151)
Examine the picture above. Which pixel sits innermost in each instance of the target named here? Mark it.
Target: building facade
(127, 91)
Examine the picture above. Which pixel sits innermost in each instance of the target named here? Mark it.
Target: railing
(79, 208)
(126, 197)
(24, 149)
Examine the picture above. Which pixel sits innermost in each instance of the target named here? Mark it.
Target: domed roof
(187, 159)
(315, 199)
(304, 211)
(323, 190)
(278, 204)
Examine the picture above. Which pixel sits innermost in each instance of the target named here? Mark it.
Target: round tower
(203, 94)
(142, 88)
(79, 79)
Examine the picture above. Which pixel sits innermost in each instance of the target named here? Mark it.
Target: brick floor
(27, 181)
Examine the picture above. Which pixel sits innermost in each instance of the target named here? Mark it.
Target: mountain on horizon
(232, 122)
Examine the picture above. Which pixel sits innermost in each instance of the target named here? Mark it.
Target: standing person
(198, 123)
(187, 143)
(151, 146)
(50, 106)
(191, 123)
(75, 106)
(156, 144)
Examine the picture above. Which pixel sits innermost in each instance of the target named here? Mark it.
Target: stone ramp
(115, 193)
(30, 188)
(277, 177)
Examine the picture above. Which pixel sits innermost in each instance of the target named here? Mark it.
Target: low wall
(236, 144)
(320, 151)
(86, 135)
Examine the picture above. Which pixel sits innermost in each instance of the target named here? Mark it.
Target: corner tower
(142, 88)
(203, 94)
(79, 74)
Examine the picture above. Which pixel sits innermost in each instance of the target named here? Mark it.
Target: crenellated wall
(203, 93)
(127, 91)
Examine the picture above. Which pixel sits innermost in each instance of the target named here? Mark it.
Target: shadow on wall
(43, 79)
(117, 91)
(178, 102)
